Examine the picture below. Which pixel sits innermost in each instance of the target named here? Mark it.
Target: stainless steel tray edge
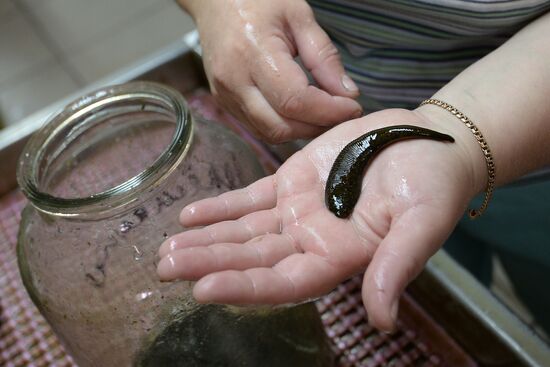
(490, 312)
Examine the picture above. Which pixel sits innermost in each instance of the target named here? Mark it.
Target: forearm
(507, 94)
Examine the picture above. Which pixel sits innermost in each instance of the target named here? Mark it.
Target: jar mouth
(80, 122)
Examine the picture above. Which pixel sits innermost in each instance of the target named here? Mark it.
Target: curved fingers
(260, 195)
(292, 96)
(287, 89)
(269, 124)
(233, 102)
(319, 55)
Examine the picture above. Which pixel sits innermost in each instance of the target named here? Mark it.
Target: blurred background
(51, 48)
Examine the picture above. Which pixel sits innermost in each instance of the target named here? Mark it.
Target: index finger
(260, 195)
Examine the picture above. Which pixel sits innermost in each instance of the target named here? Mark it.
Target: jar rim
(122, 194)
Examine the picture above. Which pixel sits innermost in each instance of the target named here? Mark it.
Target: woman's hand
(249, 49)
(276, 242)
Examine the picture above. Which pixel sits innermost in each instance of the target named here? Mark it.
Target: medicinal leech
(344, 180)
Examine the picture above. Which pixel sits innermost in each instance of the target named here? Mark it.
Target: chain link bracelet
(474, 213)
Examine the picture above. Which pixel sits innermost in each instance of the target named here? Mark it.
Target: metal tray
(445, 305)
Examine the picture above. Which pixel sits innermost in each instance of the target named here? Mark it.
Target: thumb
(400, 257)
(319, 55)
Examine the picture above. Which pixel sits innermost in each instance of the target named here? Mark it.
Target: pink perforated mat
(27, 340)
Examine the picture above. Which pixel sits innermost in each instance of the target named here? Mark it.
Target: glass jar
(106, 178)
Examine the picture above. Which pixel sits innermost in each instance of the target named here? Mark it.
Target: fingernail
(357, 114)
(166, 247)
(189, 210)
(173, 245)
(165, 267)
(187, 213)
(348, 84)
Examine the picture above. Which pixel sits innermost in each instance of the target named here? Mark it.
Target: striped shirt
(402, 51)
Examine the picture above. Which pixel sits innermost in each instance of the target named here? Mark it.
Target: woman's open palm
(276, 242)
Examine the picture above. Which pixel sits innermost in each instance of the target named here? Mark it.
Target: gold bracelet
(474, 213)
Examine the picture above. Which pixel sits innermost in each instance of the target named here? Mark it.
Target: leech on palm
(275, 242)
(257, 241)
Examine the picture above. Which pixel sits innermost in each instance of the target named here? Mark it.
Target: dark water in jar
(213, 336)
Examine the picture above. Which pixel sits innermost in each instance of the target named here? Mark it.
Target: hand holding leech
(276, 242)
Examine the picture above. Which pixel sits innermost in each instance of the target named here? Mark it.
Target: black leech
(344, 180)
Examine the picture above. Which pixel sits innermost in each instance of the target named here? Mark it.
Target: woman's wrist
(505, 94)
(466, 145)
